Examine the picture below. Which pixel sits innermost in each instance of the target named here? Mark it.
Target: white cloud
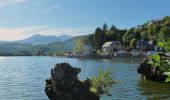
(19, 1)
(11, 34)
(49, 9)
(66, 30)
(6, 2)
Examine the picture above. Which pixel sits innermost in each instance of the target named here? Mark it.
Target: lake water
(23, 78)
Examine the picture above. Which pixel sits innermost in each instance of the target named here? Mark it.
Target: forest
(154, 31)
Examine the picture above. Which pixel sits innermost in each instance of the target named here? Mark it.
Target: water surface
(23, 78)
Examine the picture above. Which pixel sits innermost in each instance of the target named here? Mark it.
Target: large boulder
(65, 85)
(151, 72)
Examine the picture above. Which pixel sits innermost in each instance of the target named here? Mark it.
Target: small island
(155, 67)
(64, 84)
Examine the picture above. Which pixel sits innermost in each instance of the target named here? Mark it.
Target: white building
(156, 21)
(110, 47)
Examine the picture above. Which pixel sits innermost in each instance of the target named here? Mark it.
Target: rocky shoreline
(155, 67)
(150, 72)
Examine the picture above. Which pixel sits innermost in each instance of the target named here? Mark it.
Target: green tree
(80, 43)
(133, 43)
(128, 36)
(105, 28)
(164, 34)
(165, 45)
(102, 83)
(112, 34)
(156, 28)
(167, 22)
(99, 38)
(39, 53)
(150, 32)
(137, 34)
(145, 36)
(91, 40)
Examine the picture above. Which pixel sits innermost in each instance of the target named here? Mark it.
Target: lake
(23, 78)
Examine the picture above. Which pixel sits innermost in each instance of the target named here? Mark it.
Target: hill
(42, 39)
(153, 32)
(57, 47)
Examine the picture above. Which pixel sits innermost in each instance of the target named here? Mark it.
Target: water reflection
(154, 90)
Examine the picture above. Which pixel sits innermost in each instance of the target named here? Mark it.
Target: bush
(162, 65)
(102, 83)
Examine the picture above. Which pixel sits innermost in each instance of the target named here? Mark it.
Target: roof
(143, 42)
(160, 19)
(157, 20)
(108, 44)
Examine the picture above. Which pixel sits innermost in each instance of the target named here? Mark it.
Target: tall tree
(164, 34)
(99, 38)
(133, 43)
(105, 27)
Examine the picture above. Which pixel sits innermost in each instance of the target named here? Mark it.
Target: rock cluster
(65, 85)
(152, 72)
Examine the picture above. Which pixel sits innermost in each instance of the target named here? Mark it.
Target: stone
(64, 84)
(151, 72)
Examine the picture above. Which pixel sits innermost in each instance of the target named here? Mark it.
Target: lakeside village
(117, 49)
(113, 49)
(138, 41)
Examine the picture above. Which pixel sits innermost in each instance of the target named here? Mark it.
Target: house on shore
(110, 47)
(156, 21)
(147, 46)
(144, 45)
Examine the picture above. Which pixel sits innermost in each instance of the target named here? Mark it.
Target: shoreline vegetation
(156, 67)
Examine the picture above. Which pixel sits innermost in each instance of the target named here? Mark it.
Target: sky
(22, 18)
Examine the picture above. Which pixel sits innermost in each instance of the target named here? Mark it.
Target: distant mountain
(13, 48)
(9, 48)
(55, 47)
(67, 45)
(42, 39)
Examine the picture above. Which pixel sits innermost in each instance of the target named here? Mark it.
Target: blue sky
(22, 18)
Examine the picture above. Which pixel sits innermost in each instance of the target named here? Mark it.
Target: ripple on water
(23, 78)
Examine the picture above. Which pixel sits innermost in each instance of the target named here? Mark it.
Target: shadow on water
(154, 90)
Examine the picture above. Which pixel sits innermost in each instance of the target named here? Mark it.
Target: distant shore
(98, 56)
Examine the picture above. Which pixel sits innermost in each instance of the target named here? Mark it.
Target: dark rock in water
(151, 72)
(65, 85)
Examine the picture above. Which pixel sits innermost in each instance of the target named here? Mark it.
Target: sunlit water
(23, 78)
